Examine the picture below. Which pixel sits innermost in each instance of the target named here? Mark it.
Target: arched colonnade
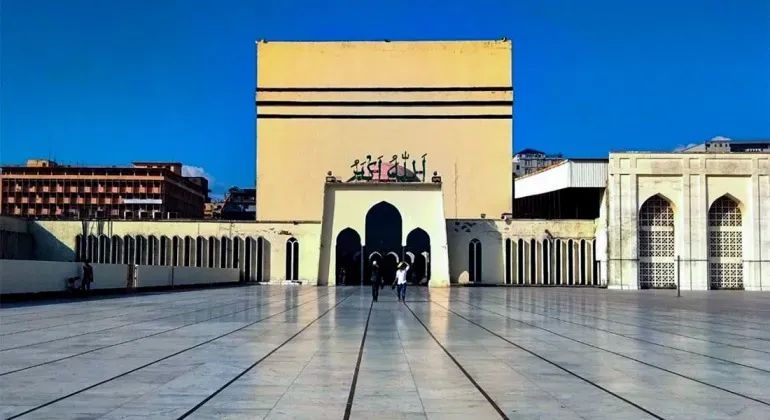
(249, 254)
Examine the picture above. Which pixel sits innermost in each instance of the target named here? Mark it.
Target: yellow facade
(321, 106)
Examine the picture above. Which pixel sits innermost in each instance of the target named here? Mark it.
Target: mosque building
(401, 151)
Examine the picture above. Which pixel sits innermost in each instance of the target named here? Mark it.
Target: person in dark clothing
(88, 276)
(375, 281)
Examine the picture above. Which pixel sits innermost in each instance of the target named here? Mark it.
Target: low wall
(28, 276)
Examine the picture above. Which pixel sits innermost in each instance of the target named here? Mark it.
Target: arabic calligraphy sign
(375, 170)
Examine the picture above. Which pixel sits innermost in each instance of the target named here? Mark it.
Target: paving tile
(538, 353)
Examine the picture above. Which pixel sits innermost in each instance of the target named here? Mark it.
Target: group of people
(399, 281)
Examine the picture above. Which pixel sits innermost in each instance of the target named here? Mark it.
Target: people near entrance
(375, 281)
(88, 276)
(400, 281)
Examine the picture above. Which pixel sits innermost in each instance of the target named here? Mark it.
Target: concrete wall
(493, 235)
(691, 182)
(15, 240)
(55, 240)
(298, 143)
(420, 206)
(25, 276)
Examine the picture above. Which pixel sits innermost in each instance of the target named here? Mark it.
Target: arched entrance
(418, 245)
(348, 262)
(383, 236)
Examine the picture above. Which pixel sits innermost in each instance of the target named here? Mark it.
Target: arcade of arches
(245, 253)
(385, 246)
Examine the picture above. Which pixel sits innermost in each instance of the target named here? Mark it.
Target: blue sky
(108, 82)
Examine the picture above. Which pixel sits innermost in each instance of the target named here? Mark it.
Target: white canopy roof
(571, 173)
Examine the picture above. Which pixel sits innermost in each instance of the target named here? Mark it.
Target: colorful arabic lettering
(372, 170)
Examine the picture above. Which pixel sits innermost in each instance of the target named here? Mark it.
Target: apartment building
(528, 161)
(144, 190)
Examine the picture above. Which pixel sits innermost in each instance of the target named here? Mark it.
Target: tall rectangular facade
(442, 107)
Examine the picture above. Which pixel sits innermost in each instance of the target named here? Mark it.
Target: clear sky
(111, 81)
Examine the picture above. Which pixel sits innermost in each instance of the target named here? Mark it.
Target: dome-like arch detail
(728, 196)
(383, 227)
(654, 199)
(726, 211)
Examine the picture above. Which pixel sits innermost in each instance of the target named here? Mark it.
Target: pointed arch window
(474, 260)
(725, 244)
(292, 259)
(656, 244)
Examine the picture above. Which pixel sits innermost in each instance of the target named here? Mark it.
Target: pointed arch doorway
(348, 264)
(383, 238)
(418, 251)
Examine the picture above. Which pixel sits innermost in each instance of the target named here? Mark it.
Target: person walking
(400, 281)
(375, 281)
(88, 276)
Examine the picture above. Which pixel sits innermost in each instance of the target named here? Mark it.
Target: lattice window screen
(656, 244)
(725, 244)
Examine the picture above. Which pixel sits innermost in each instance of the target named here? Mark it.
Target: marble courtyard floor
(316, 353)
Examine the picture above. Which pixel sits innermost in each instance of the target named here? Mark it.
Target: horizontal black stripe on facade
(386, 117)
(384, 103)
(389, 89)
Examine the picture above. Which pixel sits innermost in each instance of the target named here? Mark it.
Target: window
(292, 259)
(474, 260)
(508, 252)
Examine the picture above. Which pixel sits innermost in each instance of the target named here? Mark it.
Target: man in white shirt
(401, 281)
